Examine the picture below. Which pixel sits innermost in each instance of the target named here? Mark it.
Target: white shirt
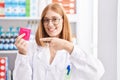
(35, 65)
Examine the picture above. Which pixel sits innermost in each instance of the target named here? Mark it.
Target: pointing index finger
(46, 39)
(21, 36)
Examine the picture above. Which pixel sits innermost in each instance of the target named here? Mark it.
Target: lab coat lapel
(44, 55)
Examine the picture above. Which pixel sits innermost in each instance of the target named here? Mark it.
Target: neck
(52, 54)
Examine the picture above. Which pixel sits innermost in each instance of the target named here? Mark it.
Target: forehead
(51, 13)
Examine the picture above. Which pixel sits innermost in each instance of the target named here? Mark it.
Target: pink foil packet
(26, 31)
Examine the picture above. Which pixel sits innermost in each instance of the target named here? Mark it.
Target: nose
(50, 22)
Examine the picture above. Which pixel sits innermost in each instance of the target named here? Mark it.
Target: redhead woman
(53, 56)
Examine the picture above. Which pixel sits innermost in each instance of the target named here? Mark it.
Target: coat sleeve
(85, 66)
(22, 69)
(23, 65)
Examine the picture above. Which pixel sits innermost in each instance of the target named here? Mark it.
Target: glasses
(55, 21)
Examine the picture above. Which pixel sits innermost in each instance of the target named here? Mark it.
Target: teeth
(51, 29)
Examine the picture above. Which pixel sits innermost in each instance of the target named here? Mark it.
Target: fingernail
(24, 34)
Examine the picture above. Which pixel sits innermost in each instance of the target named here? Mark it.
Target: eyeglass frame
(52, 20)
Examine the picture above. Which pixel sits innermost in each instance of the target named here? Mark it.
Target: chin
(53, 35)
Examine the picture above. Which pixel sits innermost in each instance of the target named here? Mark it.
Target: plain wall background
(118, 42)
(107, 37)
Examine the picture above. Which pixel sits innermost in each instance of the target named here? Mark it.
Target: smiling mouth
(52, 30)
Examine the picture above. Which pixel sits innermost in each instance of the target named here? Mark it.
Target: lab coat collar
(44, 55)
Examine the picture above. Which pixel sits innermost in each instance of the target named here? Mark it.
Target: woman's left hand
(58, 44)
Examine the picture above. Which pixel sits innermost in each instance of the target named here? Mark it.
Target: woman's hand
(58, 44)
(21, 44)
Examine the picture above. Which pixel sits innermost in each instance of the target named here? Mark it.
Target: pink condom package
(26, 31)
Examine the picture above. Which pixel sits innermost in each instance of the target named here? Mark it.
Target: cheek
(60, 27)
(45, 28)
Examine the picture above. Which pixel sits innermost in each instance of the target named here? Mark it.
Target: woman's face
(53, 23)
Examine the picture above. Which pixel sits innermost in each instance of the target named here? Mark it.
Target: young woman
(53, 56)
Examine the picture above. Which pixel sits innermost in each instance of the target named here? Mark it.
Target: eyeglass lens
(53, 20)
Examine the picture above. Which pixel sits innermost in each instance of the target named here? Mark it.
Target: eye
(54, 19)
(46, 20)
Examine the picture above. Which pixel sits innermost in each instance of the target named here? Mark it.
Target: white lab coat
(35, 65)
